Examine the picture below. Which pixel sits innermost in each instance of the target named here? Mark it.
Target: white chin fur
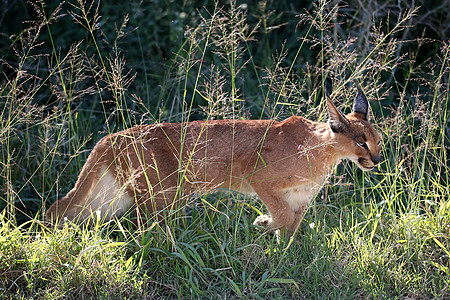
(355, 160)
(364, 168)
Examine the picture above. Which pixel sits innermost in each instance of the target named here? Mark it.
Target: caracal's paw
(263, 221)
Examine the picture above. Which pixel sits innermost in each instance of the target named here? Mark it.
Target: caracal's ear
(337, 120)
(361, 105)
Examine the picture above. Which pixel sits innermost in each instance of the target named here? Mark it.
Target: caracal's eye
(362, 145)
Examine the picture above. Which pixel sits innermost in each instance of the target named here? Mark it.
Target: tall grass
(382, 234)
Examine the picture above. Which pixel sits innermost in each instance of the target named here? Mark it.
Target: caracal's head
(355, 138)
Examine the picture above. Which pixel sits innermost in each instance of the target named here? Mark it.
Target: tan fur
(155, 167)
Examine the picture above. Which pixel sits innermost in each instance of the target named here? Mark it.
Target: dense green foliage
(74, 71)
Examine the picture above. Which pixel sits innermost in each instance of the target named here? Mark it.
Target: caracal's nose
(376, 159)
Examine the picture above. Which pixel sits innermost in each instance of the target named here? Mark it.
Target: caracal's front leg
(298, 216)
(281, 215)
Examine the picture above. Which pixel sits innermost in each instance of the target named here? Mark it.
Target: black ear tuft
(337, 120)
(361, 105)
